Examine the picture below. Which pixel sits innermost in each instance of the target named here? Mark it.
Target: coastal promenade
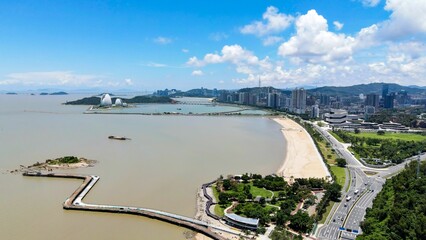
(74, 202)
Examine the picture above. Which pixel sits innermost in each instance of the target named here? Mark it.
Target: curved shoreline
(302, 159)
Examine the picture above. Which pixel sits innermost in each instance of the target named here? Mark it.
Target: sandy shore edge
(302, 159)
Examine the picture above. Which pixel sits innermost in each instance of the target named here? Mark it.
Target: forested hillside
(399, 210)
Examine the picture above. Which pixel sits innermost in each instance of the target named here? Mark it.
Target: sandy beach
(302, 159)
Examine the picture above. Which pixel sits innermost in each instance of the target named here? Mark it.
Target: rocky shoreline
(52, 164)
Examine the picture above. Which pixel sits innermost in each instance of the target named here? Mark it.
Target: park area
(381, 147)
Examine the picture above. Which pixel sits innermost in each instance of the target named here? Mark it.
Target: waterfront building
(241, 222)
(298, 100)
(106, 100)
(244, 98)
(391, 126)
(336, 116)
(273, 100)
(118, 102)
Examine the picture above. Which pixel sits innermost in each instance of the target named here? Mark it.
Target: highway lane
(347, 212)
(353, 212)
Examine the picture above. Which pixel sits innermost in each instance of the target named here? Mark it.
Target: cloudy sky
(155, 44)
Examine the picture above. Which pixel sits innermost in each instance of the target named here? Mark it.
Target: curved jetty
(74, 202)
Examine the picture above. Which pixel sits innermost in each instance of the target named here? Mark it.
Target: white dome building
(118, 102)
(106, 100)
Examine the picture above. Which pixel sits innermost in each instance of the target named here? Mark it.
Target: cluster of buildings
(336, 109)
(268, 97)
(347, 112)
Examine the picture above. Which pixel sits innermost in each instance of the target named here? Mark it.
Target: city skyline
(226, 45)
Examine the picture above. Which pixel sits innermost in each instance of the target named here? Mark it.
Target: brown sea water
(168, 158)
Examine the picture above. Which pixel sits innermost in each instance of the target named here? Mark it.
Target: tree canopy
(399, 210)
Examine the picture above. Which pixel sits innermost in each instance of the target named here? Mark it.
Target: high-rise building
(244, 98)
(315, 111)
(389, 101)
(298, 100)
(372, 100)
(324, 100)
(273, 100)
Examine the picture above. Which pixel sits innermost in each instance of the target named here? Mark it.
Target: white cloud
(271, 40)
(274, 22)
(197, 73)
(155, 65)
(367, 37)
(370, 3)
(128, 82)
(194, 61)
(162, 40)
(184, 50)
(245, 61)
(314, 43)
(408, 17)
(218, 36)
(338, 25)
(316, 55)
(52, 78)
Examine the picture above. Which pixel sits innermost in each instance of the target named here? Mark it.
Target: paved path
(75, 202)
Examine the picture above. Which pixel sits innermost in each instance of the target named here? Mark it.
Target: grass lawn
(339, 172)
(327, 212)
(255, 191)
(218, 209)
(336, 136)
(350, 177)
(327, 151)
(400, 136)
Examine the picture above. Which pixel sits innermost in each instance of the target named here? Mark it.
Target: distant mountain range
(366, 89)
(354, 90)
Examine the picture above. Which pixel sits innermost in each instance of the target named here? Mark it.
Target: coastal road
(345, 221)
(347, 217)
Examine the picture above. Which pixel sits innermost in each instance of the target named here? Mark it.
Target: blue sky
(148, 45)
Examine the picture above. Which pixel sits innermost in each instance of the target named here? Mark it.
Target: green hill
(399, 210)
(365, 89)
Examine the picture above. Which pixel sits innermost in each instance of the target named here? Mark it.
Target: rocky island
(67, 162)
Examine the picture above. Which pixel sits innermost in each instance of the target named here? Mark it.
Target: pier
(75, 202)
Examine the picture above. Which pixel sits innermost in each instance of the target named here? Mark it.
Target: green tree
(341, 162)
(280, 235)
(334, 191)
(223, 197)
(226, 184)
(301, 222)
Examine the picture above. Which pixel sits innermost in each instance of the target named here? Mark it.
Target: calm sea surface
(168, 158)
